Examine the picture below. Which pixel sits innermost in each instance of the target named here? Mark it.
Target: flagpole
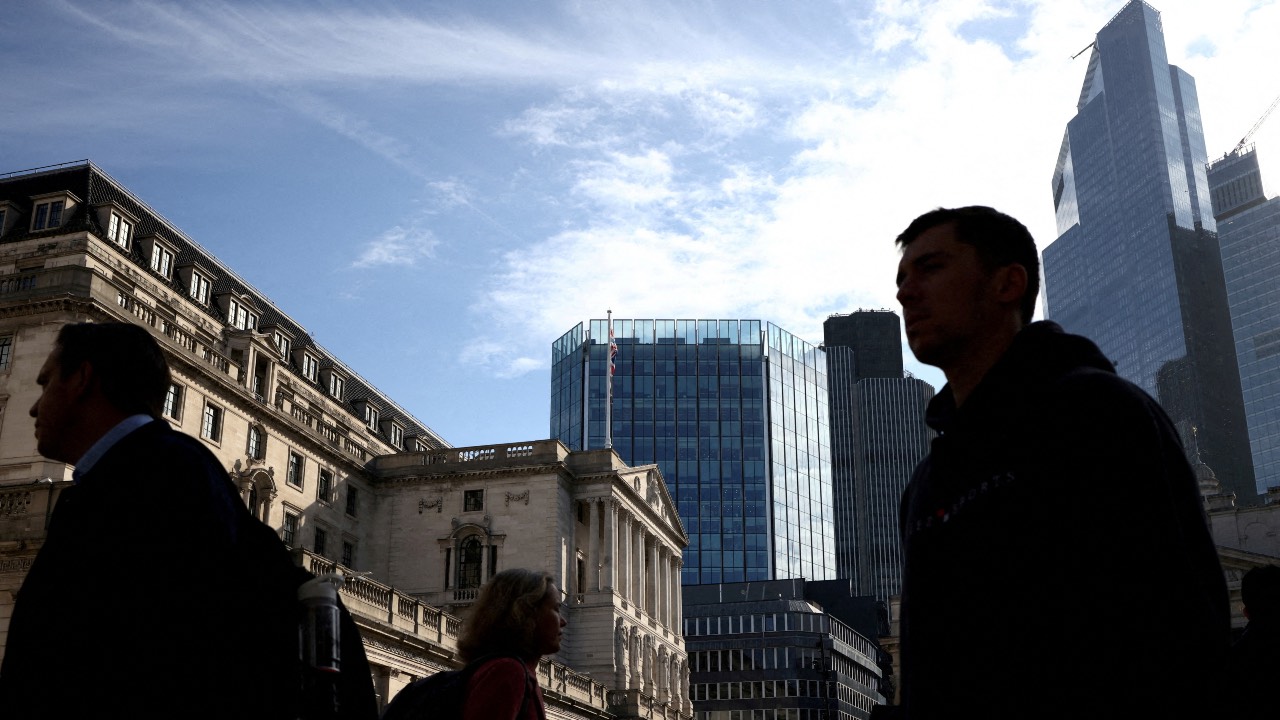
(608, 398)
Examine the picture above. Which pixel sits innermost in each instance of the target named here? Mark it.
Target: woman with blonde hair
(515, 621)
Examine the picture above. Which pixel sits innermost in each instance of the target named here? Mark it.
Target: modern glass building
(1136, 265)
(878, 436)
(768, 651)
(1249, 232)
(734, 414)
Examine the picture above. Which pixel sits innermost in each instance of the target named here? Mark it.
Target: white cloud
(716, 230)
(397, 246)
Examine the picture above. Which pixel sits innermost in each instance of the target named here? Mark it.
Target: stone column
(663, 587)
(677, 604)
(651, 582)
(593, 544)
(610, 509)
(624, 554)
(637, 539)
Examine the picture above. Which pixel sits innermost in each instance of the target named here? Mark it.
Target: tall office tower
(1136, 265)
(878, 436)
(734, 414)
(1249, 232)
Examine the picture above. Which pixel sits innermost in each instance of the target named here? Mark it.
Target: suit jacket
(156, 593)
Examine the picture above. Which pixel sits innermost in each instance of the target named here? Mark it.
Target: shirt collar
(106, 442)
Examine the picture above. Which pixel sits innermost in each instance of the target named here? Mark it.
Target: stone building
(297, 430)
(607, 532)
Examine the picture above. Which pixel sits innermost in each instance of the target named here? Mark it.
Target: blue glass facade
(734, 414)
(1249, 232)
(1136, 265)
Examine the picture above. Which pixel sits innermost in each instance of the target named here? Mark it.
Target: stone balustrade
(375, 601)
(541, 451)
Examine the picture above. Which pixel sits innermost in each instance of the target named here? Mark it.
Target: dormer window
(241, 316)
(48, 215)
(369, 412)
(282, 343)
(119, 230)
(199, 287)
(310, 366)
(337, 385)
(397, 436)
(199, 282)
(161, 259)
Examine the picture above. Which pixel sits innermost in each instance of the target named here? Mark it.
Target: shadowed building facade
(1249, 233)
(354, 483)
(1136, 265)
(878, 436)
(734, 413)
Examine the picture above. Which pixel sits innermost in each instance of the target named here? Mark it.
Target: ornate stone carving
(664, 678)
(518, 497)
(620, 655)
(424, 504)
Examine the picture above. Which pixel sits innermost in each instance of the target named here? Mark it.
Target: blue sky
(439, 190)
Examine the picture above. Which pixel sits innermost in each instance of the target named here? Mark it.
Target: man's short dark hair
(1000, 240)
(127, 361)
(1260, 592)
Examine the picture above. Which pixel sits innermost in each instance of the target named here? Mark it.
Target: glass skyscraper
(878, 436)
(1136, 265)
(734, 414)
(1249, 232)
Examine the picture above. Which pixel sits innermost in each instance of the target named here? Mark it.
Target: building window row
(767, 714)
(766, 622)
(765, 658)
(6, 351)
(752, 689)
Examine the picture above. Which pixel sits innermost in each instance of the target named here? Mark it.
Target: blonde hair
(504, 616)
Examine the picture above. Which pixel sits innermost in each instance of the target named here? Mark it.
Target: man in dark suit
(155, 592)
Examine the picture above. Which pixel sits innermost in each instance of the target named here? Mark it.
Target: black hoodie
(1057, 558)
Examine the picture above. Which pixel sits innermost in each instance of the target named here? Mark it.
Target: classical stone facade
(296, 428)
(608, 533)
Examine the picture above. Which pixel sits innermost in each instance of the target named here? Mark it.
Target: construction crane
(1245, 140)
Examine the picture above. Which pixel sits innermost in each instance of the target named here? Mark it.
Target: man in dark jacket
(155, 593)
(1057, 559)
(1255, 657)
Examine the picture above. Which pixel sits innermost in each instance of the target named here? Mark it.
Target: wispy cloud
(399, 246)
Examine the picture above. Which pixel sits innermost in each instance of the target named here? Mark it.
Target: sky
(439, 190)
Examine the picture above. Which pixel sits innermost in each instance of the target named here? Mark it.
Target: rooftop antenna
(1093, 44)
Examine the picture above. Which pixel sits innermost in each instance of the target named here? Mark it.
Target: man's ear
(1011, 284)
(82, 381)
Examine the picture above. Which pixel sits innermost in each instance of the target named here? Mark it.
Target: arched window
(470, 555)
(256, 447)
